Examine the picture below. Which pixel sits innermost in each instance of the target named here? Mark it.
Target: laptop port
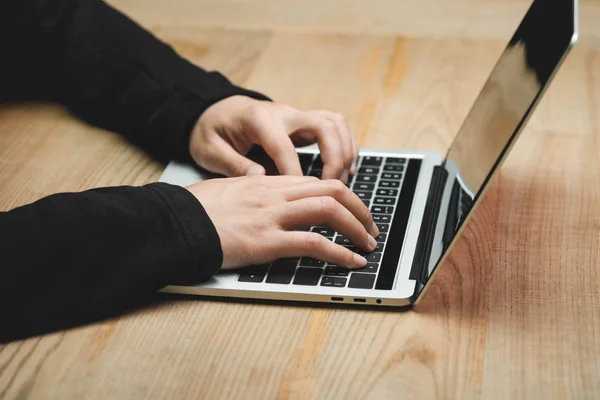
(337, 298)
(360, 300)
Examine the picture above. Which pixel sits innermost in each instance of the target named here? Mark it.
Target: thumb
(231, 163)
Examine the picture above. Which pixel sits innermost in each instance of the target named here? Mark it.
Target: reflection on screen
(503, 102)
(512, 88)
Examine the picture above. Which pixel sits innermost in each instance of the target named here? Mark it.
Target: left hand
(228, 129)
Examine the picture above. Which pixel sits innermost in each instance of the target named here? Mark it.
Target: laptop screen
(502, 107)
(507, 97)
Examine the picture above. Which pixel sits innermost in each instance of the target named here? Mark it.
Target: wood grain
(514, 312)
(490, 19)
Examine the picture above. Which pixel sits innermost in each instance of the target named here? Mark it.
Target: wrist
(197, 230)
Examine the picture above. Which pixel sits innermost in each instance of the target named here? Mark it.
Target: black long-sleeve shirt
(72, 258)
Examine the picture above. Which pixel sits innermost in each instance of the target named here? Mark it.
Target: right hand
(256, 218)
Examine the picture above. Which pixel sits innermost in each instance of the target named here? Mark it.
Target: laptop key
(254, 273)
(367, 203)
(378, 248)
(381, 238)
(366, 178)
(370, 267)
(333, 281)
(311, 262)
(382, 210)
(305, 161)
(364, 186)
(307, 276)
(393, 168)
(321, 230)
(387, 192)
(373, 257)
(343, 240)
(386, 201)
(282, 271)
(389, 184)
(368, 170)
(363, 195)
(394, 160)
(361, 281)
(383, 228)
(334, 270)
(371, 161)
(381, 218)
(391, 175)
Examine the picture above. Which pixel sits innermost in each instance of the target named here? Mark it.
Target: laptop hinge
(419, 270)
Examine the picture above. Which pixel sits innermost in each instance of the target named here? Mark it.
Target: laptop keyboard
(387, 186)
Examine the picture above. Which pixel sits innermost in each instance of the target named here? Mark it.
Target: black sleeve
(107, 70)
(72, 258)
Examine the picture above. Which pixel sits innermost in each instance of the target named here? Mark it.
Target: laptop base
(316, 282)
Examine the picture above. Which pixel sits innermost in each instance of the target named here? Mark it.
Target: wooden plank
(493, 19)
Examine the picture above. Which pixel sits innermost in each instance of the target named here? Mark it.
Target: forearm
(107, 70)
(73, 258)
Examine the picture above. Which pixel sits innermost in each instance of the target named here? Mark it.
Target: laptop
(420, 200)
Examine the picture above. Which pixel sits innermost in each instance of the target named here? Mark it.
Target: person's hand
(228, 129)
(257, 218)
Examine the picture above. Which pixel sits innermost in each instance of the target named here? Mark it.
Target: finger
(345, 176)
(273, 135)
(339, 191)
(352, 140)
(326, 211)
(299, 244)
(353, 170)
(328, 139)
(354, 150)
(346, 137)
(285, 181)
(225, 160)
(283, 153)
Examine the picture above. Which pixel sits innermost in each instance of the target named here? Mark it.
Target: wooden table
(515, 312)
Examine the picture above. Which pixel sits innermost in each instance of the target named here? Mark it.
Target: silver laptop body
(421, 200)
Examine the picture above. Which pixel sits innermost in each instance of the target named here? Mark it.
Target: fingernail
(353, 168)
(372, 242)
(375, 230)
(359, 260)
(255, 170)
